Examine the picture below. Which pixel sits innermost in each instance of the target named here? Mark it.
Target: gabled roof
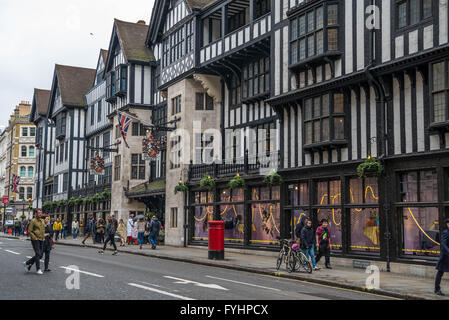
(73, 84)
(160, 11)
(39, 107)
(132, 41)
(104, 55)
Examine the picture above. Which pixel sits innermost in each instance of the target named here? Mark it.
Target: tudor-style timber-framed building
(98, 135)
(138, 184)
(336, 92)
(44, 147)
(66, 111)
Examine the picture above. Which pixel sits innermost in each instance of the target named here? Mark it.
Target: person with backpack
(37, 235)
(308, 242)
(140, 231)
(323, 239)
(443, 263)
(65, 228)
(90, 231)
(111, 229)
(155, 227)
(100, 231)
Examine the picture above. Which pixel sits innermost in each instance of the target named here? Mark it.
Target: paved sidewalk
(395, 285)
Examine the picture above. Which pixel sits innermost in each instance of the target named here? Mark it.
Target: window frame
(331, 117)
(433, 92)
(421, 18)
(138, 168)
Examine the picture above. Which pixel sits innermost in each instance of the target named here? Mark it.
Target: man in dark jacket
(47, 243)
(308, 242)
(110, 236)
(90, 231)
(37, 235)
(155, 227)
(443, 263)
(300, 226)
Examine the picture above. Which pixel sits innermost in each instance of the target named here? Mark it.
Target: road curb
(266, 272)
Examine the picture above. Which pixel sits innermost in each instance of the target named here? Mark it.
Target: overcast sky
(34, 35)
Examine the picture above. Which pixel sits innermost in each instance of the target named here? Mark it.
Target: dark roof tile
(74, 83)
(132, 40)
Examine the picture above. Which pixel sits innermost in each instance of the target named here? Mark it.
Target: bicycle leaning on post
(293, 258)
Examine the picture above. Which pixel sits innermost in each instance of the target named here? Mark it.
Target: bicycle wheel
(305, 263)
(279, 260)
(291, 262)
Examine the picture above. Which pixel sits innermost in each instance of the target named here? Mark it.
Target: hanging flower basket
(62, 203)
(88, 200)
(237, 183)
(96, 198)
(273, 179)
(71, 202)
(207, 182)
(79, 201)
(55, 204)
(106, 195)
(181, 187)
(370, 168)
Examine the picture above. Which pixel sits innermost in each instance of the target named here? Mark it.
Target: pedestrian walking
(37, 235)
(155, 227)
(57, 228)
(111, 229)
(121, 230)
(129, 229)
(323, 239)
(100, 231)
(75, 228)
(140, 231)
(443, 263)
(65, 228)
(17, 225)
(90, 231)
(135, 233)
(47, 243)
(308, 242)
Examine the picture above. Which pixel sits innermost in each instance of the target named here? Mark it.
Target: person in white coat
(129, 229)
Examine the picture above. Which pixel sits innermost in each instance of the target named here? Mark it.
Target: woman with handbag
(122, 232)
(100, 230)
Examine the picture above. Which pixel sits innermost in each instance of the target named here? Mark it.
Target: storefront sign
(5, 200)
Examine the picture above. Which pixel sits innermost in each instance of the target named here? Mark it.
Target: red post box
(216, 240)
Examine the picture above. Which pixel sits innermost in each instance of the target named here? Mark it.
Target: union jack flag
(14, 183)
(124, 122)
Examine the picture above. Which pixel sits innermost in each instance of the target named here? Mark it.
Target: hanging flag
(14, 183)
(124, 123)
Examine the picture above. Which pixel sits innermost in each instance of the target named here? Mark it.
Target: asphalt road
(133, 277)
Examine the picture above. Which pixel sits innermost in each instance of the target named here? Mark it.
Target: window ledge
(321, 146)
(121, 93)
(111, 99)
(315, 60)
(439, 126)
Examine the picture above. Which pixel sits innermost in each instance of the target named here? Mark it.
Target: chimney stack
(142, 22)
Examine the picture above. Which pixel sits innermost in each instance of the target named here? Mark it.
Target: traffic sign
(5, 199)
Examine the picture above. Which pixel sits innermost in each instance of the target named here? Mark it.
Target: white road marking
(244, 283)
(210, 286)
(84, 272)
(12, 252)
(159, 291)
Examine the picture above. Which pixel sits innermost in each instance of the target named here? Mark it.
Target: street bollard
(216, 240)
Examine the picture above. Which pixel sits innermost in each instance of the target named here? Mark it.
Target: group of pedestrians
(310, 240)
(137, 231)
(41, 234)
(101, 231)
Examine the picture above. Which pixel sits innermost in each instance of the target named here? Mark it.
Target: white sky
(34, 35)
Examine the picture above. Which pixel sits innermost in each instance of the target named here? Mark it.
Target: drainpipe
(382, 99)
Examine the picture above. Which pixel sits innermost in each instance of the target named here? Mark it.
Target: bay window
(256, 78)
(313, 33)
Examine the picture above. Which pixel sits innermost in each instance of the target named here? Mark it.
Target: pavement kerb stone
(219, 264)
